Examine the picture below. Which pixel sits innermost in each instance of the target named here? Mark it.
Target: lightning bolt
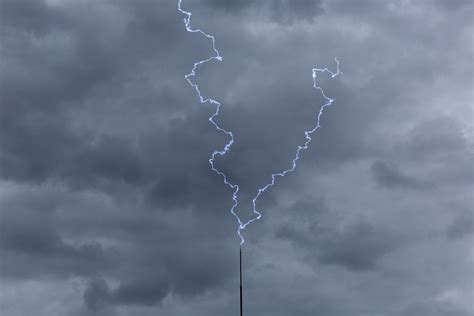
(308, 133)
(226, 148)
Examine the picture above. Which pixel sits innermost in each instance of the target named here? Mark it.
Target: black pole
(240, 257)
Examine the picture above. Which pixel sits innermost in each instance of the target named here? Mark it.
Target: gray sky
(108, 205)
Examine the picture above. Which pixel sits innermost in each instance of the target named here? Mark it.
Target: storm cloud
(108, 205)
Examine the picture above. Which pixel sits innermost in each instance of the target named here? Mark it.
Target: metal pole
(240, 257)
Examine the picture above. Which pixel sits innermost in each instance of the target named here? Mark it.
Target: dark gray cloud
(107, 202)
(388, 175)
(357, 247)
(462, 226)
(280, 11)
(29, 233)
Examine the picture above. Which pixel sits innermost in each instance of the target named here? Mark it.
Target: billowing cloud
(108, 205)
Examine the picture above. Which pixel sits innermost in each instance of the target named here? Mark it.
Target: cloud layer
(107, 202)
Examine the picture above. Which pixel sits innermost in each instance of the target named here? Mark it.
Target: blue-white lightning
(226, 148)
(223, 151)
(308, 133)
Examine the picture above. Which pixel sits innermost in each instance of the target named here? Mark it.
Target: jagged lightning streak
(308, 133)
(223, 151)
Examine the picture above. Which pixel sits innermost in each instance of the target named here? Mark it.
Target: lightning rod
(240, 257)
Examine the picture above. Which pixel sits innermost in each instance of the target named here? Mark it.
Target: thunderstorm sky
(108, 205)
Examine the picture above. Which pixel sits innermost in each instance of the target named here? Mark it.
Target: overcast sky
(108, 204)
